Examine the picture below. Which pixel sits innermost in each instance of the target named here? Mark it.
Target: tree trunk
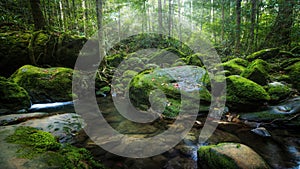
(179, 20)
(280, 33)
(84, 17)
(160, 26)
(223, 20)
(253, 24)
(238, 26)
(99, 11)
(38, 18)
(170, 18)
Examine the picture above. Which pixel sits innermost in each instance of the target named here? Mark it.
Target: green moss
(235, 66)
(195, 59)
(264, 116)
(54, 84)
(114, 60)
(294, 72)
(40, 145)
(215, 160)
(34, 141)
(257, 71)
(13, 96)
(288, 62)
(244, 94)
(296, 50)
(264, 54)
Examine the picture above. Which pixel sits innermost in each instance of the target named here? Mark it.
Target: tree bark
(253, 25)
(160, 26)
(38, 18)
(280, 33)
(238, 26)
(99, 11)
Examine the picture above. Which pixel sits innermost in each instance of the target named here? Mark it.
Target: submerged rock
(281, 112)
(62, 126)
(13, 97)
(261, 131)
(244, 94)
(230, 155)
(45, 84)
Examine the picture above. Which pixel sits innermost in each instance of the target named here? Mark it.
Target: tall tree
(238, 26)
(253, 25)
(99, 11)
(280, 33)
(160, 26)
(38, 18)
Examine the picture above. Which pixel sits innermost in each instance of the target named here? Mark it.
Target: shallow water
(281, 150)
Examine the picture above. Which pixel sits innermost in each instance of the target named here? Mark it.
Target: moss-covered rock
(166, 57)
(244, 94)
(257, 71)
(282, 112)
(288, 62)
(45, 85)
(264, 54)
(195, 59)
(278, 91)
(230, 155)
(37, 48)
(296, 50)
(235, 66)
(13, 97)
(37, 140)
(172, 82)
(39, 147)
(294, 72)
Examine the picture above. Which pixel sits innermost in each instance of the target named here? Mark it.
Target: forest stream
(280, 150)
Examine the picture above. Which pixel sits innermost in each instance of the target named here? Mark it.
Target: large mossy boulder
(294, 72)
(244, 94)
(19, 48)
(173, 83)
(230, 155)
(27, 148)
(257, 71)
(13, 97)
(45, 84)
(264, 54)
(235, 66)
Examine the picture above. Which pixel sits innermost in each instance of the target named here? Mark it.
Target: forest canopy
(234, 26)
